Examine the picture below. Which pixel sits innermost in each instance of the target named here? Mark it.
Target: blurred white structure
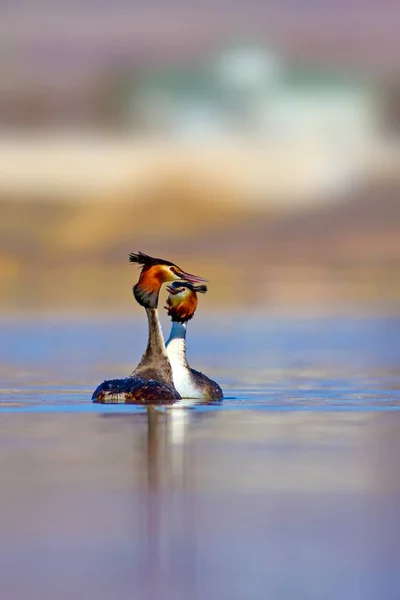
(248, 91)
(245, 118)
(249, 95)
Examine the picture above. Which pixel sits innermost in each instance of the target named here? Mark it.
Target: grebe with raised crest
(151, 382)
(181, 306)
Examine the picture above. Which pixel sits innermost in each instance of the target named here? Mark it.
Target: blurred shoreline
(265, 161)
(66, 256)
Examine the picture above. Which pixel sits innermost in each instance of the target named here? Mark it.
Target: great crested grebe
(151, 382)
(181, 305)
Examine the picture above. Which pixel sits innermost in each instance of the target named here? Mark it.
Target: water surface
(289, 489)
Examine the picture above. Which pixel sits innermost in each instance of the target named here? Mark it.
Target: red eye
(172, 269)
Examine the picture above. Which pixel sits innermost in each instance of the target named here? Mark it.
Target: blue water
(289, 489)
(262, 362)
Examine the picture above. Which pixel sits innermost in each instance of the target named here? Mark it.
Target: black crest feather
(147, 261)
(201, 289)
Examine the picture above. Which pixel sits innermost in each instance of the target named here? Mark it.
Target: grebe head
(182, 300)
(155, 272)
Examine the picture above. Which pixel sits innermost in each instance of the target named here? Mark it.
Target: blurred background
(254, 142)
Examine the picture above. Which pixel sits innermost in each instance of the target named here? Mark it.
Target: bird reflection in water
(167, 520)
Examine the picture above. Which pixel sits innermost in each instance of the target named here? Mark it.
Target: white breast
(184, 383)
(182, 376)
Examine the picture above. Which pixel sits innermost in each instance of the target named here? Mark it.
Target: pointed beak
(191, 278)
(171, 290)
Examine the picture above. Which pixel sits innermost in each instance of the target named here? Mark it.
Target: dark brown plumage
(211, 389)
(135, 390)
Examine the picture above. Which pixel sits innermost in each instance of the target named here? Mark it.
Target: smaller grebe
(151, 382)
(181, 305)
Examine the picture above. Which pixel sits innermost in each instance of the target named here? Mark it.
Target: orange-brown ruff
(151, 382)
(181, 305)
(182, 310)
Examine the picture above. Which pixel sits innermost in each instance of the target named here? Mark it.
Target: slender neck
(155, 343)
(155, 355)
(176, 345)
(178, 331)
